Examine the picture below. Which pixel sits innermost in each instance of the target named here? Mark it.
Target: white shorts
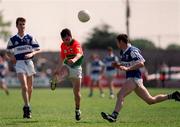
(25, 66)
(137, 81)
(2, 80)
(111, 73)
(95, 77)
(75, 72)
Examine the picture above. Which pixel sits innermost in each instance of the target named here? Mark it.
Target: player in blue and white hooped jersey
(96, 71)
(23, 47)
(110, 71)
(131, 61)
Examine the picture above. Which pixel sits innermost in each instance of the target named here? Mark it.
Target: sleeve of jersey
(101, 63)
(77, 48)
(62, 55)
(137, 56)
(35, 44)
(104, 60)
(10, 46)
(116, 59)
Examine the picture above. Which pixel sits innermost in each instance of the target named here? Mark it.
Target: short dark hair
(20, 19)
(123, 37)
(65, 32)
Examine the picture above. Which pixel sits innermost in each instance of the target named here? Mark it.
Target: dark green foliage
(101, 38)
(4, 26)
(143, 44)
(173, 47)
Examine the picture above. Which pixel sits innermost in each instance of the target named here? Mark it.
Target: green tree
(4, 26)
(173, 46)
(101, 38)
(143, 44)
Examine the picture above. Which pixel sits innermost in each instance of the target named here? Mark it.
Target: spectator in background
(144, 73)
(164, 72)
(110, 71)
(96, 72)
(3, 72)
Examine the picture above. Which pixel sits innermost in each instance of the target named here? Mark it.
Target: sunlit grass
(56, 109)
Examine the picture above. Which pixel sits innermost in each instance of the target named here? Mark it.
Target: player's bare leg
(111, 87)
(30, 89)
(23, 80)
(77, 96)
(26, 109)
(4, 87)
(143, 93)
(126, 89)
(100, 88)
(30, 86)
(58, 76)
(91, 87)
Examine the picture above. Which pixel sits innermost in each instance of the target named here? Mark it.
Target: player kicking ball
(72, 57)
(131, 62)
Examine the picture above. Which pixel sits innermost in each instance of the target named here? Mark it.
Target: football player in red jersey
(71, 55)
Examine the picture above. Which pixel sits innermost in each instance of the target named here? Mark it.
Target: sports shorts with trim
(75, 72)
(25, 66)
(137, 81)
(2, 80)
(111, 73)
(95, 76)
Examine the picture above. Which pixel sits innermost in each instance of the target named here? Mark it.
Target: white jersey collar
(20, 36)
(128, 46)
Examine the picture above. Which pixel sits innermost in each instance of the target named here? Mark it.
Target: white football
(84, 15)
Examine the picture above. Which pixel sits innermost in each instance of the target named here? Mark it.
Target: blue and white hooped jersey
(3, 69)
(108, 60)
(130, 57)
(96, 66)
(20, 46)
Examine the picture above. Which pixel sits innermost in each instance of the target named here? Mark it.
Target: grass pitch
(56, 109)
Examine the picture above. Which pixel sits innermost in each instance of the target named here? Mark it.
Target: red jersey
(70, 51)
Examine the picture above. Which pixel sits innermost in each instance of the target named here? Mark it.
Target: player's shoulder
(13, 37)
(75, 42)
(133, 48)
(28, 36)
(62, 44)
(16, 36)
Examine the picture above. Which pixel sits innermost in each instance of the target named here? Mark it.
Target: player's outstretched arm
(77, 57)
